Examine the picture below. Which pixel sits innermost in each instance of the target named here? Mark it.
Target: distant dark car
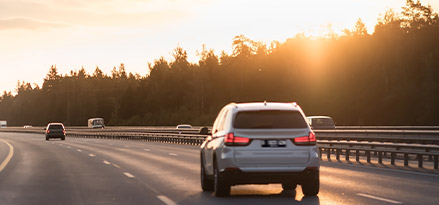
(321, 122)
(55, 130)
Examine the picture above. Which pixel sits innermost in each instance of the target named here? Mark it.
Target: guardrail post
(368, 155)
(348, 152)
(406, 159)
(429, 156)
(357, 155)
(328, 154)
(435, 162)
(392, 158)
(320, 152)
(337, 153)
(420, 160)
(380, 157)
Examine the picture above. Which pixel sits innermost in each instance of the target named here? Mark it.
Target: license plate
(273, 143)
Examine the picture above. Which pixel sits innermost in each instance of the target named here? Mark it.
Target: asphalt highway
(100, 171)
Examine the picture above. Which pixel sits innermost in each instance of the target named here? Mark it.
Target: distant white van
(321, 122)
(3, 124)
(96, 123)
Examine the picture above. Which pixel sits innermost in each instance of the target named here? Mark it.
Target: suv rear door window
(269, 119)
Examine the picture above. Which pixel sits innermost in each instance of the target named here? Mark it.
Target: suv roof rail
(294, 104)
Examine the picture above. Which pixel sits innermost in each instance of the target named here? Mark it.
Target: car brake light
(47, 131)
(64, 132)
(305, 140)
(232, 140)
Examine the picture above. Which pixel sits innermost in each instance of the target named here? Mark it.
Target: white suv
(260, 143)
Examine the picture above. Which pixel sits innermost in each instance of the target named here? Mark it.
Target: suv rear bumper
(56, 135)
(235, 176)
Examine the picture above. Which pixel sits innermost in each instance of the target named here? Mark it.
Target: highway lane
(97, 171)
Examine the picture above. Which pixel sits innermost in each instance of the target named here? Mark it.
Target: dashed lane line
(173, 154)
(128, 175)
(115, 165)
(106, 162)
(166, 200)
(379, 198)
(79, 150)
(9, 157)
(92, 155)
(148, 150)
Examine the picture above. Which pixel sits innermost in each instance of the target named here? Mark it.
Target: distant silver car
(260, 143)
(321, 122)
(184, 126)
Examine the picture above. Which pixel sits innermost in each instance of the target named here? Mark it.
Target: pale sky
(35, 34)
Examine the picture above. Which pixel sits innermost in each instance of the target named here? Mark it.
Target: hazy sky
(35, 34)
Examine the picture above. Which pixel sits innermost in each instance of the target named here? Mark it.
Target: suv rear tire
(206, 183)
(222, 188)
(311, 185)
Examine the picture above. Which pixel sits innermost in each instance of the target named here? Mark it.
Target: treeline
(390, 77)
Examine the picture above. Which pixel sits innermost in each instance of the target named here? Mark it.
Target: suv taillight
(305, 140)
(47, 131)
(232, 140)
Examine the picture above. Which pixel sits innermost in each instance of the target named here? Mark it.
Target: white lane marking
(173, 154)
(69, 147)
(148, 150)
(92, 155)
(128, 175)
(387, 169)
(9, 157)
(106, 162)
(379, 198)
(166, 200)
(115, 165)
(79, 150)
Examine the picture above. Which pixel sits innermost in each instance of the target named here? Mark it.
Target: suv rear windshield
(269, 119)
(56, 127)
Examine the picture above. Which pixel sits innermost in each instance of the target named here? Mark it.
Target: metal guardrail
(405, 152)
(393, 136)
(188, 139)
(391, 144)
(388, 127)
